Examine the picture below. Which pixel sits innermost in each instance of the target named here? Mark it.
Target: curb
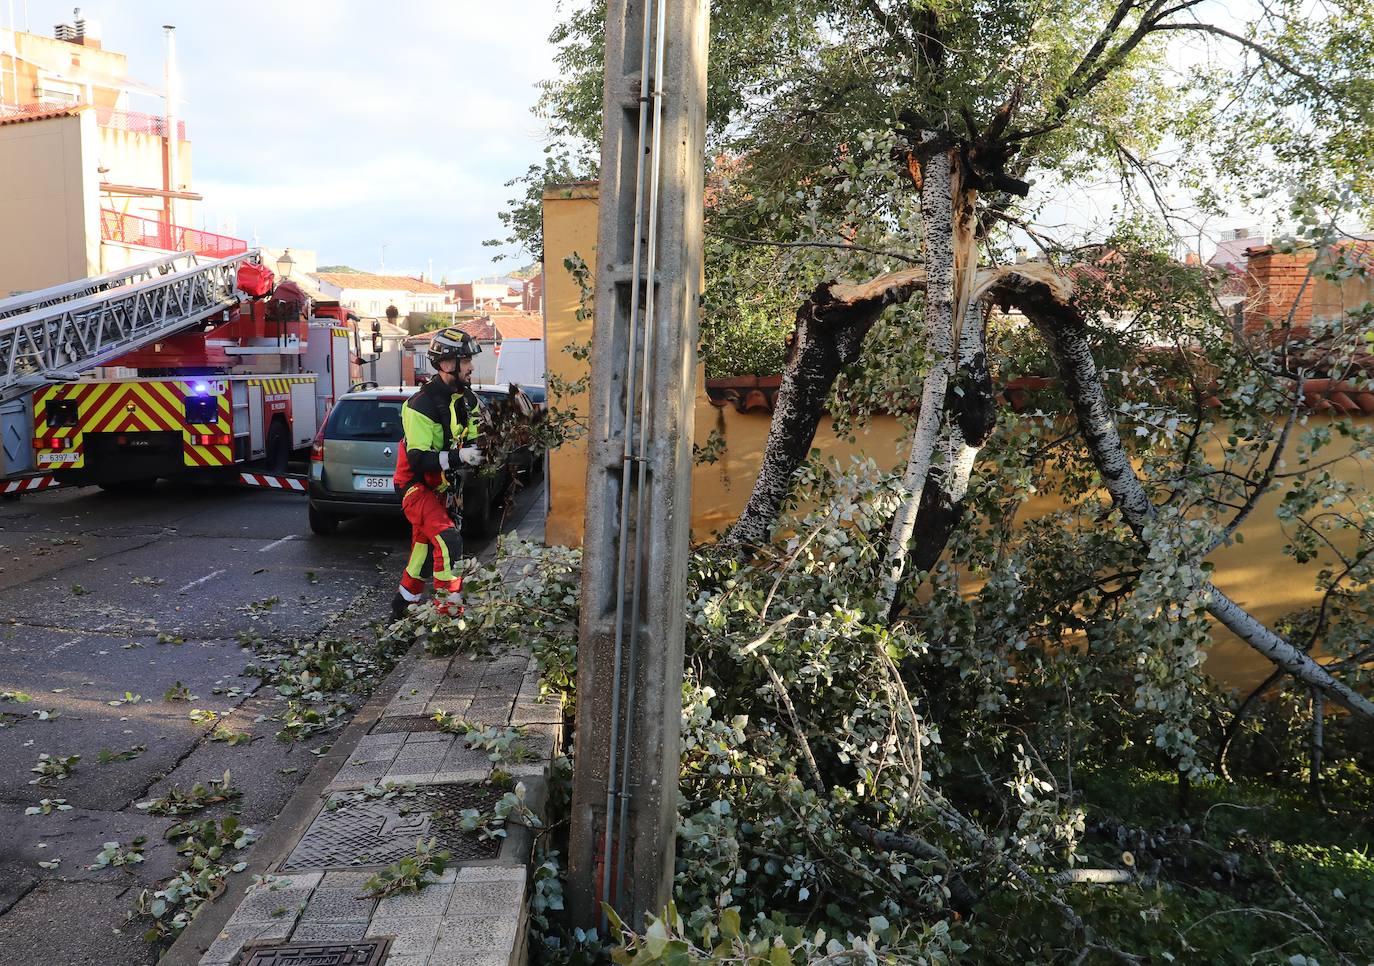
(290, 823)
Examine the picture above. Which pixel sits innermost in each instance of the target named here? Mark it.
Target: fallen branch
(1093, 877)
(1065, 332)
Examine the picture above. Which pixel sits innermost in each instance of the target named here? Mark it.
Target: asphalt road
(102, 595)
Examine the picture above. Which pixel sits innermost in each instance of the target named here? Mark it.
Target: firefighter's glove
(470, 456)
(446, 461)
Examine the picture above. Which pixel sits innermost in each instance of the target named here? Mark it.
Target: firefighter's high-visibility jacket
(434, 420)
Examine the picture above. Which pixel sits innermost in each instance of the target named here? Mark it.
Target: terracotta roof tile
(39, 115)
(480, 329)
(392, 283)
(759, 394)
(519, 325)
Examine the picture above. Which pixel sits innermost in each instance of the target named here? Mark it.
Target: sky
(345, 125)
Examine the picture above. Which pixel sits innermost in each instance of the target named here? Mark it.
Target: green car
(354, 456)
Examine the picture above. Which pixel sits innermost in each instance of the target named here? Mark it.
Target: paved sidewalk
(403, 781)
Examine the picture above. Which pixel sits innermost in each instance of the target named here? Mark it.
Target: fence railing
(135, 122)
(117, 226)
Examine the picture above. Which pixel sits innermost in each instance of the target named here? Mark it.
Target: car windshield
(370, 419)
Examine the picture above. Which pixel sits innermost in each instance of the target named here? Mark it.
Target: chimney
(88, 33)
(64, 31)
(1273, 282)
(78, 27)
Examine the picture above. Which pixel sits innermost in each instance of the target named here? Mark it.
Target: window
(57, 92)
(366, 419)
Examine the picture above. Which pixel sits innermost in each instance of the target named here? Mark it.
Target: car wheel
(321, 522)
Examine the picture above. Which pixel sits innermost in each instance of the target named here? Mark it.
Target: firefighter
(441, 435)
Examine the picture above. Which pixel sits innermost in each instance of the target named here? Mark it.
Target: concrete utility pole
(643, 366)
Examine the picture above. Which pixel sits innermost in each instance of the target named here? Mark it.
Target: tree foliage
(922, 723)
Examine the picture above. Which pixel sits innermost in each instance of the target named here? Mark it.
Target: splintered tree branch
(1064, 329)
(831, 327)
(940, 197)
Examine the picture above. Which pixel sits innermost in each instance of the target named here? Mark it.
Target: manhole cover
(316, 954)
(404, 722)
(380, 831)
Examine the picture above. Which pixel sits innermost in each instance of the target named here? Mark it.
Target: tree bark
(831, 327)
(971, 406)
(1064, 330)
(952, 319)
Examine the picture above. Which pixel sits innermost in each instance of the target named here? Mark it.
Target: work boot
(399, 606)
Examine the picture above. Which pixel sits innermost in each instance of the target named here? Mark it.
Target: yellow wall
(569, 229)
(1255, 573)
(49, 229)
(137, 159)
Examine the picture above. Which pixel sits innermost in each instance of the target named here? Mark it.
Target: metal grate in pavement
(350, 833)
(404, 722)
(370, 953)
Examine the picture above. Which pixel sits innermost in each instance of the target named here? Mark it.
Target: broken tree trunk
(1065, 331)
(971, 408)
(951, 258)
(831, 327)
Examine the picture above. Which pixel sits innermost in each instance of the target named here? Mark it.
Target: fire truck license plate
(383, 483)
(60, 458)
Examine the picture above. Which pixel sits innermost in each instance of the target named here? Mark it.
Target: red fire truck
(245, 387)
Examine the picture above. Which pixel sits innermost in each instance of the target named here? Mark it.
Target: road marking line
(276, 543)
(195, 583)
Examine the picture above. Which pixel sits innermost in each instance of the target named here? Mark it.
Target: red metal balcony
(136, 122)
(150, 233)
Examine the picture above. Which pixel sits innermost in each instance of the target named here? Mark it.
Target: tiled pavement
(474, 915)
(469, 917)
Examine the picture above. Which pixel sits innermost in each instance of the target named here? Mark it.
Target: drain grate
(351, 833)
(404, 722)
(370, 953)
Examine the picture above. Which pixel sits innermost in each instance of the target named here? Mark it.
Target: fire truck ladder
(54, 334)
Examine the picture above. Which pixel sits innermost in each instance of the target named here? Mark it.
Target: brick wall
(1273, 280)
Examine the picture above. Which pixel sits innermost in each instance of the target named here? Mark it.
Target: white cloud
(339, 124)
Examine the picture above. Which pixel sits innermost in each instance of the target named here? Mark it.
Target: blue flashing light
(202, 388)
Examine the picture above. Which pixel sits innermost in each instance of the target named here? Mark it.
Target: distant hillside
(342, 269)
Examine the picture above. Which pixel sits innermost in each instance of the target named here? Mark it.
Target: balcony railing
(116, 226)
(136, 122)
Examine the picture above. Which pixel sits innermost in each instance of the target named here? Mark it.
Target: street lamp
(285, 264)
